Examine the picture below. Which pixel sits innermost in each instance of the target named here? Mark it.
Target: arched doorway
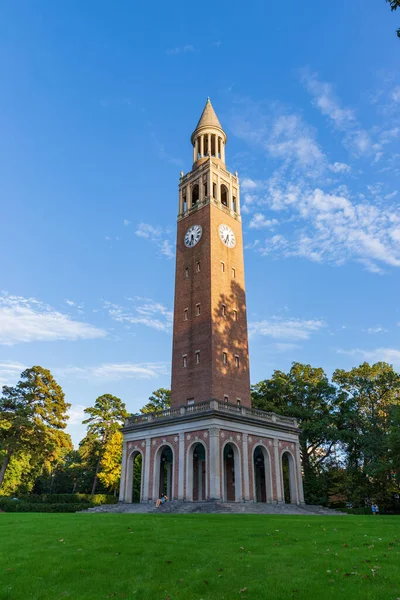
(262, 475)
(133, 490)
(224, 195)
(289, 493)
(196, 475)
(232, 473)
(163, 472)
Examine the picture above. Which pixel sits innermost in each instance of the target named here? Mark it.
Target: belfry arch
(224, 195)
(134, 477)
(262, 475)
(196, 479)
(231, 473)
(163, 472)
(288, 471)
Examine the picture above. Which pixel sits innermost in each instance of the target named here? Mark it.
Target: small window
(238, 401)
(190, 401)
(197, 357)
(234, 203)
(184, 204)
(223, 310)
(222, 267)
(185, 314)
(214, 190)
(236, 361)
(187, 272)
(197, 310)
(205, 190)
(198, 266)
(233, 272)
(226, 398)
(225, 358)
(184, 360)
(235, 315)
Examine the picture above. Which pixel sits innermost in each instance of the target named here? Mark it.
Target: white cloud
(187, 48)
(10, 372)
(142, 311)
(339, 167)
(126, 222)
(293, 141)
(114, 372)
(76, 414)
(356, 138)
(28, 320)
(248, 184)
(286, 329)
(329, 226)
(378, 329)
(259, 221)
(158, 236)
(396, 94)
(389, 355)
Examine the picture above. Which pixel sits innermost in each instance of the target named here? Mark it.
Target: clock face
(227, 236)
(193, 235)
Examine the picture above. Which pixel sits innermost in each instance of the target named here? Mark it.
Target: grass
(198, 557)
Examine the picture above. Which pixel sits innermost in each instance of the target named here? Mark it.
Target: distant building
(211, 445)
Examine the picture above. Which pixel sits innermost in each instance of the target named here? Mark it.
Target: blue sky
(97, 104)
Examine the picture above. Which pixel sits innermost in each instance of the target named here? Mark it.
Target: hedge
(68, 499)
(9, 505)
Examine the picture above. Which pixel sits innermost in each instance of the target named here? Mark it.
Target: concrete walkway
(179, 507)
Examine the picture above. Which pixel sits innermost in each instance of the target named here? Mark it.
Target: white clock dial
(227, 236)
(193, 235)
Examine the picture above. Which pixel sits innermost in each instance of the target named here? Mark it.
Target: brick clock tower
(211, 445)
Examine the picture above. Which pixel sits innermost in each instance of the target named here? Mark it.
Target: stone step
(180, 507)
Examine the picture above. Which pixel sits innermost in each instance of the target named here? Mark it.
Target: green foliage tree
(306, 394)
(369, 395)
(105, 418)
(32, 417)
(159, 400)
(111, 462)
(394, 5)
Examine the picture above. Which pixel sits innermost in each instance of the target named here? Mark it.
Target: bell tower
(210, 345)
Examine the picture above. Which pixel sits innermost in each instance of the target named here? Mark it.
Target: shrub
(68, 499)
(9, 505)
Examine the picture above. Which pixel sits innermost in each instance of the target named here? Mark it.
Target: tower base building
(210, 444)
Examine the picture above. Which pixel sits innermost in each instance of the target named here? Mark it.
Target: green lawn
(194, 557)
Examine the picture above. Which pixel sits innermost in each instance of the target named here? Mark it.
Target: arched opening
(133, 491)
(224, 195)
(232, 473)
(288, 479)
(166, 460)
(199, 473)
(195, 194)
(262, 475)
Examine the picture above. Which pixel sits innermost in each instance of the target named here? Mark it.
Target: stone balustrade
(215, 406)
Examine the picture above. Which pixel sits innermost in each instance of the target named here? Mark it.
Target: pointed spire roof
(208, 119)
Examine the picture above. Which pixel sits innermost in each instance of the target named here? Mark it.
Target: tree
(111, 462)
(159, 400)
(33, 415)
(370, 393)
(306, 394)
(394, 5)
(106, 417)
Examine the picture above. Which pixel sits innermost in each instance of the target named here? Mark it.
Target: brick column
(181, 472)
(300, 492)
(278, 481)
(123, 473)
(147, 458)
(246, 467)
(215, 465)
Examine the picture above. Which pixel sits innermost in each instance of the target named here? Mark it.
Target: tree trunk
(4, 466)
(95, 476)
